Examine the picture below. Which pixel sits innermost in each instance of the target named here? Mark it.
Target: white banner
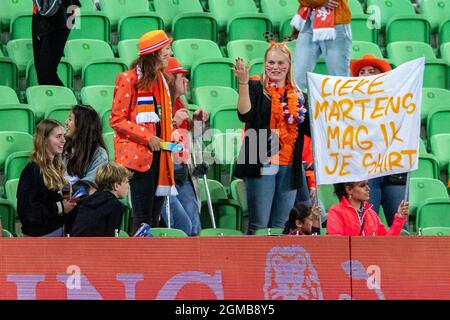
(366, 127)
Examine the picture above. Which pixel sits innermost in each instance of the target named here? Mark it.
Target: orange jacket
(343, 220)
(342, 13)
(130, 139)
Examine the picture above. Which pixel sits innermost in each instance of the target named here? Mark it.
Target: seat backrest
(225, 117)
(105, 115)
(428, 167)
(360, 48)
(436, 75)
(438, 121)
(246, 49)
(170, 9)
(224, 9)
(21, 26)
(402, 51)
(421, 189)
(8, 96)
(102, 72)
(21, 51)
(99, 97)
(444, 32)
(188, 51)
(195, 26)
(65, 73)
(10, 8)
(433, 213)
(11, 191)
(226, 146)
(445, 51)
(440, 147)
(91, 25)
(238, 193)
(15, 164)
(210, 97)
(13, 141)
(269, 232)
(7, 215)
(109, 141)
(42, 98)
(116, 9)
(128, 50)
(431, 98)
(408, 28)
(79, 51)
(216, 190)
(87, 6)
(355, 7)
(327, 195)
(9, 72)
(213, 72)
(248, 26)
(134, 26)
(435, 231)
(278, 10)
(17, 117)
(386, 9)
(59, 113)
(435, 11)
(167, 232)
(211, 232)
(362, 30)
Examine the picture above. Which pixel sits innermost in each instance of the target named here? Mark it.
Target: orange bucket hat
(174, 67)
(153, 41)
(369, 60)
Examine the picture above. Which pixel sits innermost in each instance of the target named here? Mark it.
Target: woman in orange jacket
(353, 216)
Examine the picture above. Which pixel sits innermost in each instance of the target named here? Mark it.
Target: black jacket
(98, 215)
(36, 204)
(259, 118)
(45, 25)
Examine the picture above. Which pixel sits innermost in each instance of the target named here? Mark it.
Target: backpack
(47, 8)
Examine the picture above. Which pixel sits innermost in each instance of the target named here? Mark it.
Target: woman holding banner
(353, 216)
(275, 117)
(387, 191)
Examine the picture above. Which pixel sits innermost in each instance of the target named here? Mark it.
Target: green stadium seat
(211, 97)
(211, 232)
(109, 141)
(248, 26)
(445, 52)
(360, 48)
(224, 10)
(291, 45)
(238, 193)
(422, 147)
(279, 10)
(102, 71)
(10, 8)
(422, 189)
(167, 232)
(21, 26)
(7, 234)
(444, 32)
(9, 72)
(355, 7)
(1, 51)
(99, 97)
(123, 234)
(440, 147)
(15, 163)
(227, 212)
(8, 96)
(435, 231)
(7, 215)
(65, 73)
(363, 29)
(285, 29)
(386, 9)
(438, 121)
(17, 117)
(117, 9)
(436, 75)
(269, 232)
(213, 72)
(246, 49)
(225, 117)
(42, 98)
(105, 115)
(256, 67)
(128, 50)
(80, 51)
(21, 51)
(435, 11)
(321, 67)
(188, 51)
(135, 25)
(432, 98)
(11, 191)
(225, 147)
(91, 25)
(168, 10)
(403, 51)
(195, 26)
(87, 6)
(59, 113)
(433, 213)
(13, 141)
(408, 28)
(428, 167)
(327, 196)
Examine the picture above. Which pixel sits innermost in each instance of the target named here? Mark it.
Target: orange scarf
(323, 26)
(166, 181)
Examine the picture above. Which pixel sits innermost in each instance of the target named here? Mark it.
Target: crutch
(168, 210)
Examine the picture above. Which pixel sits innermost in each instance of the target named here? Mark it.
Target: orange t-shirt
(285, 156)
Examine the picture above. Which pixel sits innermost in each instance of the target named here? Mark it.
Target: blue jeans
(270, 199)
(57, 233)
(337, 52)
(184, 211)
(387, 195)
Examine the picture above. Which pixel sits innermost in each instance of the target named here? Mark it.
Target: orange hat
(174, 67)
(369, 60)
(153, 41)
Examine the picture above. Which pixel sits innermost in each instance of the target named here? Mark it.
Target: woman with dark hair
(141, 118)
(85, 150)
(40, 205)
(353, 216)
(303, 220)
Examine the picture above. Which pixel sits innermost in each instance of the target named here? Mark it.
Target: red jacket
(343, 220)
